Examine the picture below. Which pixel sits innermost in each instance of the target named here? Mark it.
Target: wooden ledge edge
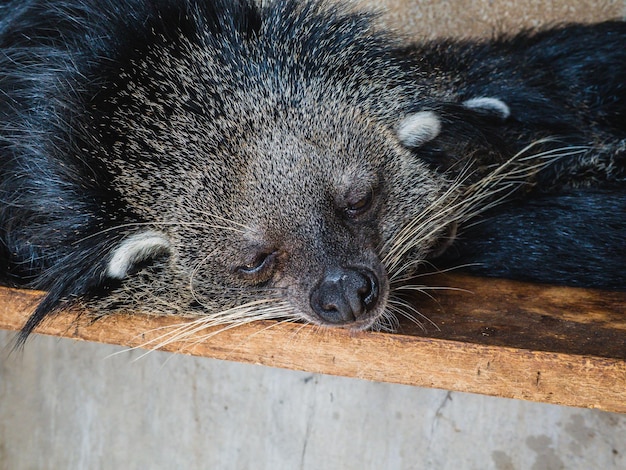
(557, 378)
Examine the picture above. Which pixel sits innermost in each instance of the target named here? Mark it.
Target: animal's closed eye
(260, 265)
(359, 206)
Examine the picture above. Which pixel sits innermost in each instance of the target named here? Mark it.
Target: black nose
(344, 294)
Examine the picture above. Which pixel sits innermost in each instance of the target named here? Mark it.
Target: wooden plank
(550, 344)
(529, 316)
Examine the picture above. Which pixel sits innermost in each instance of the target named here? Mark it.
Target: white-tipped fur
(489, 105)
(135, 248)
(419, 128)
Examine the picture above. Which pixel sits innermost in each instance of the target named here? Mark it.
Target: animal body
(237, 162)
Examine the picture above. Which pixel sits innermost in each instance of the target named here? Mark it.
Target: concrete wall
(472, 18)
(68, 405)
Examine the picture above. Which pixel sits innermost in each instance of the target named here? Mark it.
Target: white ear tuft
(489, 105)
(135, 248)
(419, 128)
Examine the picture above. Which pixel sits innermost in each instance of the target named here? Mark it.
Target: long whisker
(388, 321)
(407, 310)
(461, 203)
(432, 271)
(263, 309)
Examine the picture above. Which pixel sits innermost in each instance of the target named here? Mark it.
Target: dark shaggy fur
(196, 156)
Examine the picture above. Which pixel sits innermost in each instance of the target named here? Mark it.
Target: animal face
(298, 210)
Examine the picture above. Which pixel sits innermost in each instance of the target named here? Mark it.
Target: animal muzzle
(344, 295)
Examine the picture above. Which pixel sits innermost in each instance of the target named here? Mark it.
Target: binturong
(238, 162)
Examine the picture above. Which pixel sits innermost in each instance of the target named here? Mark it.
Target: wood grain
(542, 343)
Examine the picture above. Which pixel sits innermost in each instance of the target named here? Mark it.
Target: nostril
(344, 294)
(369, 293)
(329, 303)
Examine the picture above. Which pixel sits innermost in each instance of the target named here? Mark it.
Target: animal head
(299, 205)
